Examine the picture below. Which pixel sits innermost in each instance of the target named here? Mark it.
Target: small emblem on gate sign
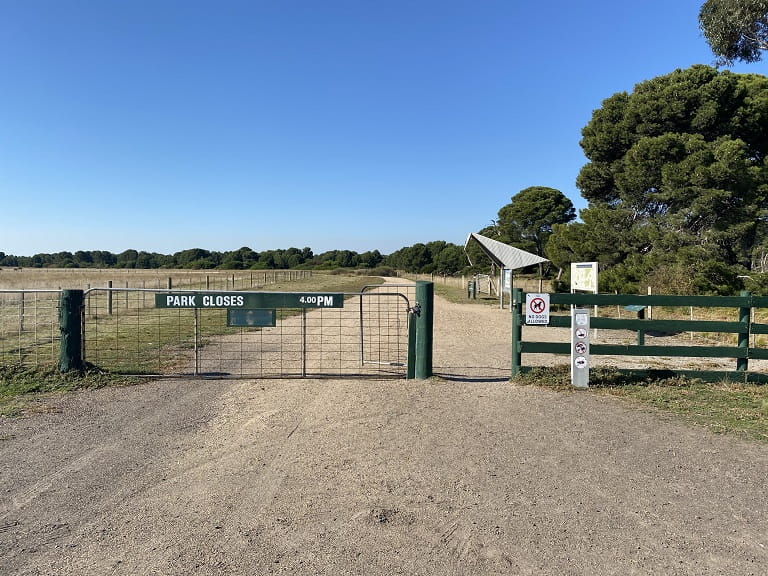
(581, 333)
(580, 362)
(582, 319)
(580, 348)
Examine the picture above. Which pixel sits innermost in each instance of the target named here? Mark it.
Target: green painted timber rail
(741, 325)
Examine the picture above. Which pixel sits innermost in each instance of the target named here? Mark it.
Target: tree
(735, 29)
(438, 256)
(677, 177)
(527, 222)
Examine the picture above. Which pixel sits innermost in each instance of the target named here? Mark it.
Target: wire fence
(123, 331)
(86, 278)
(29, 327)
(489, 286)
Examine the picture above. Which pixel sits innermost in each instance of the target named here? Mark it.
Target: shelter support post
(517, 329)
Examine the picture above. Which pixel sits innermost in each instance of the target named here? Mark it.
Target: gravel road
(464, 473)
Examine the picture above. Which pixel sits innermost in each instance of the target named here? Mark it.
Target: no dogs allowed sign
(537, 309)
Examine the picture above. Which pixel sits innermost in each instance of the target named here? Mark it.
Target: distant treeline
(438, 257)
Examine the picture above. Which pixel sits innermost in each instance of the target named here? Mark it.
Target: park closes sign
(248, 300)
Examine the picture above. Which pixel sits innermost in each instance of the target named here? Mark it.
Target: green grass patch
(21, 386)
(727, 407)
(458, 295)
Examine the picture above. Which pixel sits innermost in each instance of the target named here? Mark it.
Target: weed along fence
(374, 333)
(712, 335)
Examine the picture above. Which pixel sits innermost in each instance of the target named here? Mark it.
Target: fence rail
(742, 327)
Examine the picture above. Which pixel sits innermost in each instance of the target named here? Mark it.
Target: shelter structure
(503, 256)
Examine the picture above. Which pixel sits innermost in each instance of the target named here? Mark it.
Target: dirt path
(462, 474)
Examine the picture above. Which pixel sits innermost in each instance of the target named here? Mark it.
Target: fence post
(425, 296)
(71, 327)
(517, 329)
(743, 337)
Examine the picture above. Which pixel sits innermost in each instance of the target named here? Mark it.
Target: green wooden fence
(741, 326)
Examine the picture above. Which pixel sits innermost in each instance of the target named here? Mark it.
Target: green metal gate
(366, 335)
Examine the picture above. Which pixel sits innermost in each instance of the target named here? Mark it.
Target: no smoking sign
(537, 309)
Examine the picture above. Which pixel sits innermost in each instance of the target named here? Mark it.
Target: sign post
(580, 347)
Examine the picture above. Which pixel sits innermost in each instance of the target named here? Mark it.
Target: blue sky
(162, 125)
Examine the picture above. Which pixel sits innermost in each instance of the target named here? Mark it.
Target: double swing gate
(248, 334)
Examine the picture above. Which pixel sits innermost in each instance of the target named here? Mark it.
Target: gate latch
(416, 309)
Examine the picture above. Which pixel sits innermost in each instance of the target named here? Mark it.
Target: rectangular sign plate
(580, 347)
(248, 300)
(537, 309)
(251, 317)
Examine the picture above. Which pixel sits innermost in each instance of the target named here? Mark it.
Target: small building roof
(504, 255)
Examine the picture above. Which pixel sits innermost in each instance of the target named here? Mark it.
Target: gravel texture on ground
(464, 473)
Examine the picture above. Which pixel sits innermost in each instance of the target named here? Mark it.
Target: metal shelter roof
(504, 255)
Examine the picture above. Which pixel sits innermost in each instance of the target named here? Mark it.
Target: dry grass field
(85, 278)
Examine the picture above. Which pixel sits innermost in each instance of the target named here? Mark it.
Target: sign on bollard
(580, 347)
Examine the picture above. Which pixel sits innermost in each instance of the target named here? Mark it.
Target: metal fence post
(71, 326)
(425, 296)
(743, 337)
(517, 329)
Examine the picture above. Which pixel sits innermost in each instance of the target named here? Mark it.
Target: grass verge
(21, 386)
(723, 407)
(458, 295)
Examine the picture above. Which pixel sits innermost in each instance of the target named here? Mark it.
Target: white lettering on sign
(222, 301)
(173, 301)
(318, 300)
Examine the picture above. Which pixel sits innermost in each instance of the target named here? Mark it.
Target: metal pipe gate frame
(420, 325)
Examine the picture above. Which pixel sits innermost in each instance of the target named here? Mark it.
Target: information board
(584, 277)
